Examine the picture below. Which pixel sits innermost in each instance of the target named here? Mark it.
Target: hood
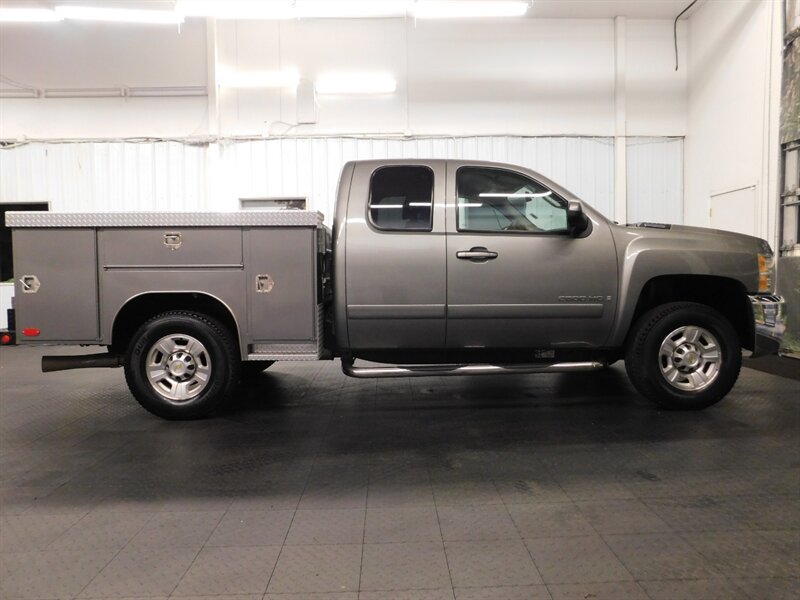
(704, 232)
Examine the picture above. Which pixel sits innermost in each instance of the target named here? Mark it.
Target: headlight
(766, 273)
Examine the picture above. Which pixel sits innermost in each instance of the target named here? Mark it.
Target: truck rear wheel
(683, 355)
(181, 365)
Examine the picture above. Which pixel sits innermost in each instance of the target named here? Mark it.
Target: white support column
(214, 160)
(211, 85)
(620, 128)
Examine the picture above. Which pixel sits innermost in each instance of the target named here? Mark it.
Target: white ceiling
(541, 9)
(606, 9)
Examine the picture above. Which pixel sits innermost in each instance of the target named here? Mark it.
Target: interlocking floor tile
(226, 571)
(476, 522)
(410, 524)
(138, 572)
(577, 559)
(403, 566)
(329, 568)
(327, 526)
(490, 563)
(252, 528)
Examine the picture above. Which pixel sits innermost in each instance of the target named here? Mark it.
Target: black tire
(648, 369)
(253, 368)
(218, 359)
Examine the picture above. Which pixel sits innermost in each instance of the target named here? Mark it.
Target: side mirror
(577, 221)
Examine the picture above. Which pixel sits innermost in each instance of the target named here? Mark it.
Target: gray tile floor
(313, 485)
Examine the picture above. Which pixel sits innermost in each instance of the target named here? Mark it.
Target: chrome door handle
(476, 254)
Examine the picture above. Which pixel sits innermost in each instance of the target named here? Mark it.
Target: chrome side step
(351, 370)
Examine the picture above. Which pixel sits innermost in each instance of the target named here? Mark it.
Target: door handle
(476, 254)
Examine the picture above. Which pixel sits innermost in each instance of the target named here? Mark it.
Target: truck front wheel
(683, 355)
(181, 365)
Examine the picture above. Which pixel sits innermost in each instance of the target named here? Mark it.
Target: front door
(395, 256)
(516, 278)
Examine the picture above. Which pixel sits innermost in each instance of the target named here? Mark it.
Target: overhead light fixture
(167, 92)
(19, 93)
(258, 79)
(84, 93)
(28, 15)
(350, 9)
(119, 15)
(237, 9)
(468, 9)
(355, 83)
(286, 9)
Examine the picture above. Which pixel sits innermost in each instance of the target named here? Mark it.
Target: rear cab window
(401, 198)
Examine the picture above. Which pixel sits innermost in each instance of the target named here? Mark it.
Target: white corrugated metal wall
(655, 179)
(168, 175)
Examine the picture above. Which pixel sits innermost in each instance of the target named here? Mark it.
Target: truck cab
(467, 261)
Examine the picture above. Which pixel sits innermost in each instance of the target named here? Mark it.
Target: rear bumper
(769, 321)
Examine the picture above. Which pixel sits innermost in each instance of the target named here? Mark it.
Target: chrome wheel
(178, 367)
(690, 358)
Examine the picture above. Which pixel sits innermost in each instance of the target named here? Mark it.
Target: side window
(495, 200)
(401, 199)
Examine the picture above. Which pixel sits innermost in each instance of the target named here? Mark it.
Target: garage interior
(310, 484)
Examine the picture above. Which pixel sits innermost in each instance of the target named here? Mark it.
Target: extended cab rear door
(516, 278)
(395, 256)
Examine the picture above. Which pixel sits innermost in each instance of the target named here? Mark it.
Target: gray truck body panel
(399, 291)
(261, 266)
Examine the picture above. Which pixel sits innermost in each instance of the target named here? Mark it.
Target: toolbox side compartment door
(55, 285)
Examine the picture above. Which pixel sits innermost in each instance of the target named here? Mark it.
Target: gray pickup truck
(433, 267)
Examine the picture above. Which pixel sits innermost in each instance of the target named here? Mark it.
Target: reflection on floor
(556, 486)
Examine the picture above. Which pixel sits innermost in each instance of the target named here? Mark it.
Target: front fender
(647, 254)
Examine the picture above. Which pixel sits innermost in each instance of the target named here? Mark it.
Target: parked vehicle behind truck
(433, 267)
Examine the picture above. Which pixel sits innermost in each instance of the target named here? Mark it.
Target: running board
(442, 370)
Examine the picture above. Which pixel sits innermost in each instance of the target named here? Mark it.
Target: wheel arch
(141, 307)
(724, 294)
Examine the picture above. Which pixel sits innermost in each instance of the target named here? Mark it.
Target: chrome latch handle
(478, 253)
(172, 240)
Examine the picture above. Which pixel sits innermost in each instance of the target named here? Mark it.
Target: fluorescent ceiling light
(119, 15)
(286, 9)
(355, 83)
(237, 9)
(258, 79)
(28, 15)
(167, 92)
(350, 9)
(84, 93)
(468, 9)
(19, 93)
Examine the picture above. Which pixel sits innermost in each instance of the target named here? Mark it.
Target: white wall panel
(174, 176)
(106, 176)
(310, 167)
(655, 180)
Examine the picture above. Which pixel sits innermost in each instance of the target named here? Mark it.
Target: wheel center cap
(180, 364)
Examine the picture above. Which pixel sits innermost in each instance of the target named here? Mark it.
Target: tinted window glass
(401, 199)
(499, 200)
